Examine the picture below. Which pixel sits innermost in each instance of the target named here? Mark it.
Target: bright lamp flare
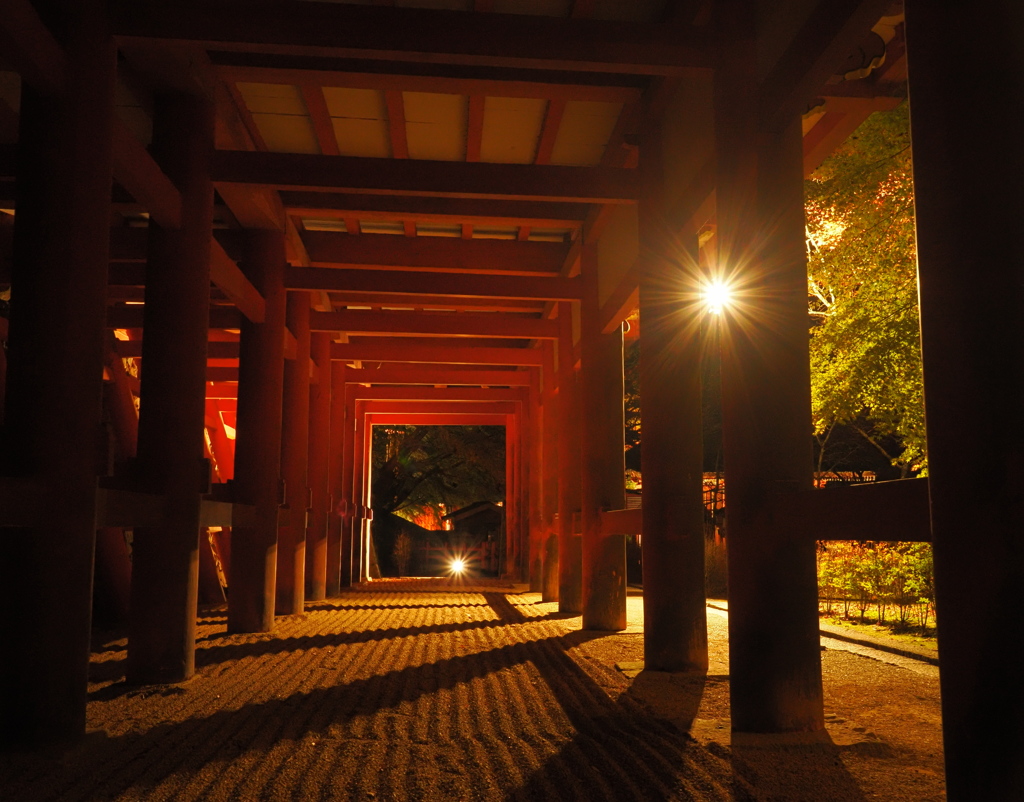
(458, 566)
(717, 295)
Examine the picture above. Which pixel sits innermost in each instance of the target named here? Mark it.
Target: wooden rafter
(396, 124)
(475, 127)
(549, 131)
(316, 105)
(433, 302)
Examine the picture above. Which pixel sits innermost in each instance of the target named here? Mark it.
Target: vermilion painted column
(535, 477)
(291, 546)
(258, 440)
(525, 496)
(319, 468)
(511, 490)
(339, 570)
(549, 423)
(363, 553)
(774, 651)
(172, 408)
(603, 460)
(675, 613)
(968, 168)
(570, 545)
(54, 380)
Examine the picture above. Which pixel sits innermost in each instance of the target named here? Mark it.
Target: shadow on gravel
(765, 767)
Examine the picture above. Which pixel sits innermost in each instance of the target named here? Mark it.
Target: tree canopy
(862, 280)
(421, 468)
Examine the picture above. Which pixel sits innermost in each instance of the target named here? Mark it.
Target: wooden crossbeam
(230, 280)
(622, 522)
(436, 394)
(430, 376)
(303, 171)
(243, 67)
(829, 34)
(433, 325)
(433, 302)
(455, 285)
(30, 48)
(444, 352)
(893, 511)
(131, 317)
(382, 251)
(214, 350)
(419, 35)
(435, 210)
(435, 407)
(435, 419)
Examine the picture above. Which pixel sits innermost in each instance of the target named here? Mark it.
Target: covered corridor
(235, 236)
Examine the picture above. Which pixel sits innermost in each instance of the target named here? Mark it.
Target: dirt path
(443, 694)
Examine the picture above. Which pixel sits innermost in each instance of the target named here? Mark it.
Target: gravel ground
(426, 691)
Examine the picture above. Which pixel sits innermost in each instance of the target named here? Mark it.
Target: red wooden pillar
(968, 166)
(775, 661)
(511, 491)
(675, 614)
(258, 440)
(319, 468)
(172, 409)
(603, 460)
(525, 496)
(549, 467)
(339, 573)
(535, 477)
(570, 545)
(363, 553)
(54, 380)
(291, 545)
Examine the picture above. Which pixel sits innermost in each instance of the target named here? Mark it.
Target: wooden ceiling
(435, 164)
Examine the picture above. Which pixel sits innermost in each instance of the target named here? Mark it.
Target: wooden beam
(396, 124)
(302, 171)
(431, 325)
(230, 280)
(475, 127)
(431, 78)
(437, 394)
(130, 317)
(434, 303)
(829, 34)
(371, 407)
(549, 131)
(431, 377)
(420, 35)
(214, 349)
(141, 176)
(435, 210)
(443, 352)
(896, 510)
(435, 419)
(30, 48)
(442, 254)
(622, 522)
(316, 105)
(454, 285)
